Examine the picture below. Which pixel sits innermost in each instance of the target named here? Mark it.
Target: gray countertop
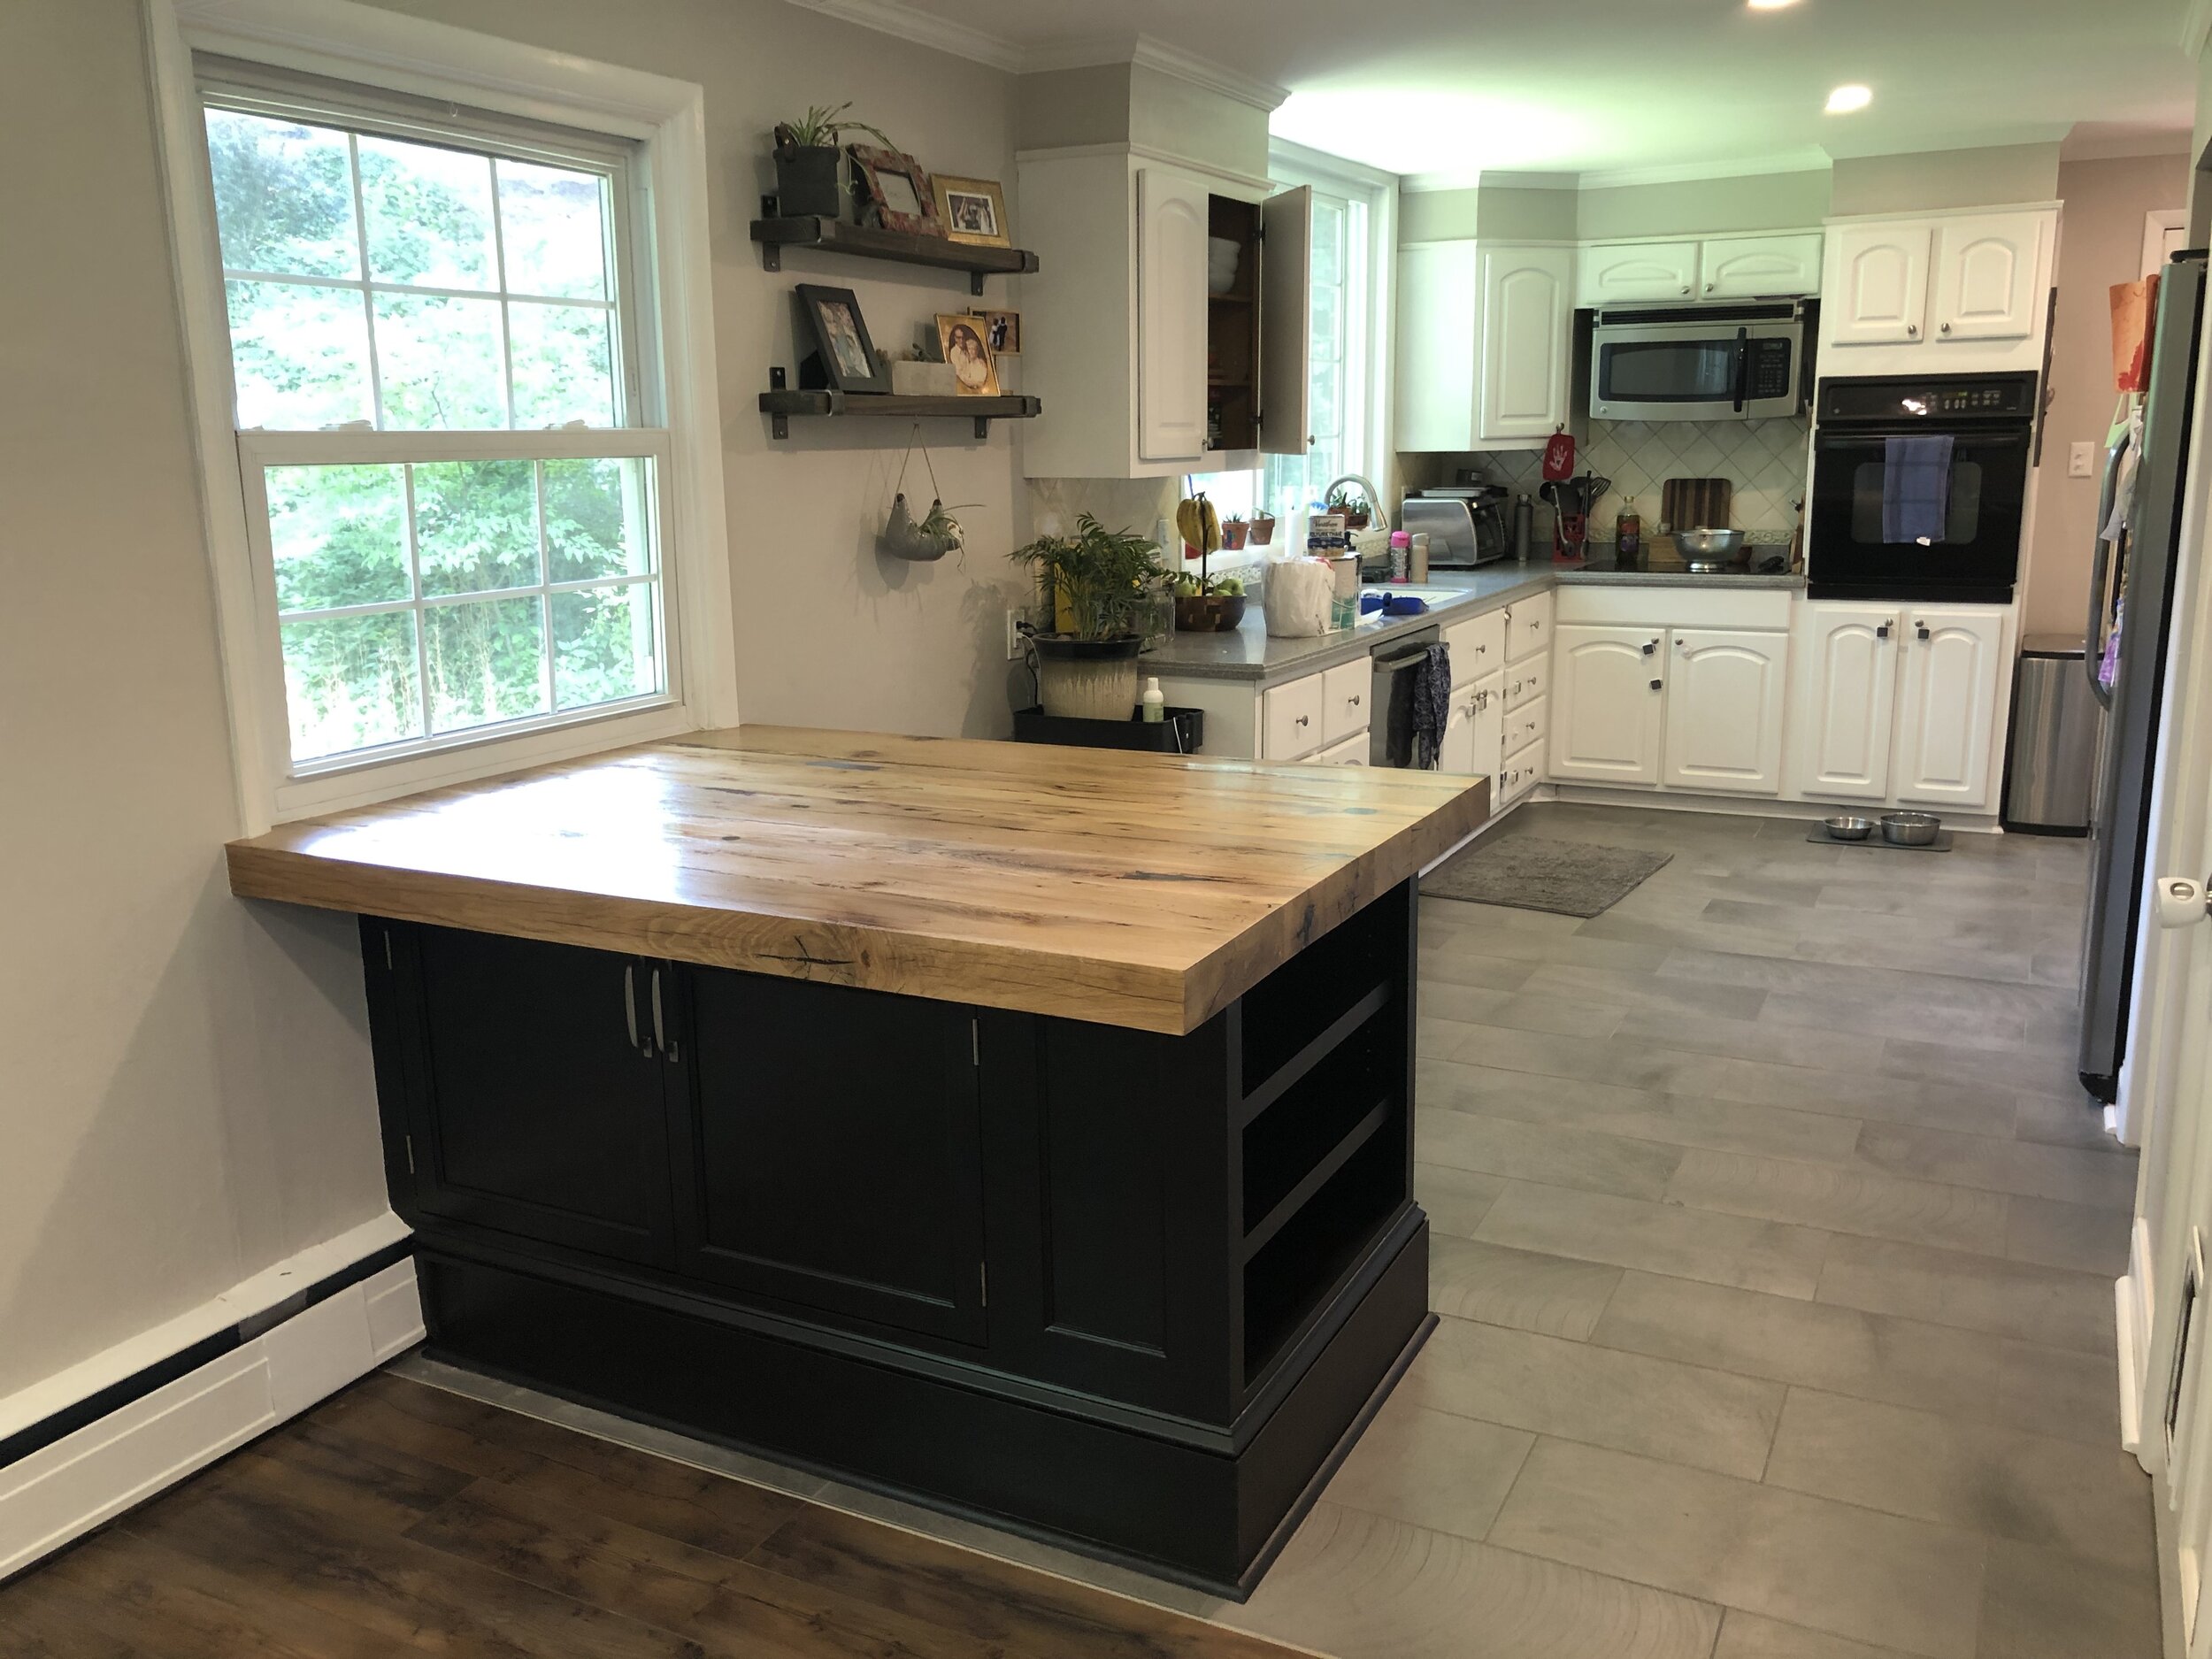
(1247, 652)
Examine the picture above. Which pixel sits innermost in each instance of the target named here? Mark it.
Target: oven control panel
(1942, 398)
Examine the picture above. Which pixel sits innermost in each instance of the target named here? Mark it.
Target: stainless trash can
(2050, 768)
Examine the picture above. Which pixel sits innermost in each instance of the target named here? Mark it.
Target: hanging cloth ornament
(922, 541)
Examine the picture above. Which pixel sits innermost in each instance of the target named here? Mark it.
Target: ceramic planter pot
(1087, 679)
(808, 182)
(1233, 535)
(1262, 529)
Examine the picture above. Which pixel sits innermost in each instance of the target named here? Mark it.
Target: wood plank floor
(398, 1518)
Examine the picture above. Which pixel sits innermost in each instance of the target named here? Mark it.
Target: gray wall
(1940, 178)
(184, 1085)
(1754, 202)
(1514, 212)
(2100, 244)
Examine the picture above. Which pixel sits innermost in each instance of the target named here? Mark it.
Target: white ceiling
(1445, 88)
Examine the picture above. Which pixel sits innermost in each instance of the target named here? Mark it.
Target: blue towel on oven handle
(1431, 705)
(1916, 488)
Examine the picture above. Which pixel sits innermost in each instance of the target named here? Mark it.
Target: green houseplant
(1099, 584)
(810, 161)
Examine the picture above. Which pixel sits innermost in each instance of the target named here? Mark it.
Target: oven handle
(1743, 367)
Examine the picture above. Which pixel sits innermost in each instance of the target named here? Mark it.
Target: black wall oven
(1855, 548)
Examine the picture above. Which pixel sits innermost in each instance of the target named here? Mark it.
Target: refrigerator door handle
(2099, 574)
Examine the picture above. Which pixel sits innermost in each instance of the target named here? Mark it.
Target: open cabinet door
(1285, 320)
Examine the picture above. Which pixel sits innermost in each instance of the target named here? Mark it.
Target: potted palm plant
(810, 161)
(1098, 584)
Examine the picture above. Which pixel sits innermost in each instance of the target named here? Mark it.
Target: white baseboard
(2133, 1300)
(72, 1485)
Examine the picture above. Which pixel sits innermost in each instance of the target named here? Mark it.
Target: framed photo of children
(1002, 330)
(972, 210)
(973, 372)
(847, 355)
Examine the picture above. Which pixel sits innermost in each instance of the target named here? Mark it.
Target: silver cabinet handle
(1356, 697)
(1709, 287)
(1912, 331)
(629, 1000)
(1947, 328)
(660, 1038)
(1685, 288)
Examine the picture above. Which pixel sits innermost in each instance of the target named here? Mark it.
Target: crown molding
(2196, 25)
(1306, 158)
(886, 17)
(1144, 51)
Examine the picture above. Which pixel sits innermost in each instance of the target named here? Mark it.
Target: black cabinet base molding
(1214, 1520)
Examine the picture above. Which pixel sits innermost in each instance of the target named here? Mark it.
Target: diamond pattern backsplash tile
(1766, 460)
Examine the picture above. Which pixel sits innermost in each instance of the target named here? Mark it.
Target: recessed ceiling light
(1768, 5)
(1843, 99)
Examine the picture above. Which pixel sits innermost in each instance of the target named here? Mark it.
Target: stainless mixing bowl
(1910, 829)
(1847, 827)
(1708, 544)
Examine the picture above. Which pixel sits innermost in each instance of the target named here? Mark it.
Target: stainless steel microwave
(1698, 363)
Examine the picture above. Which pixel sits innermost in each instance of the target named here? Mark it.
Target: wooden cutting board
(1696, 503)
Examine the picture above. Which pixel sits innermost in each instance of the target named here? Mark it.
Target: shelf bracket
(771, 256)
(778, 426)
(982, 425)
(975, 283)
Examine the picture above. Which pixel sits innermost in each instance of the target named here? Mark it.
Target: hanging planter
(922, 541)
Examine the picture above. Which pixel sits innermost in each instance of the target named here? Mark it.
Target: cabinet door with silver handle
(629, 1007)
(2181, 901)
(672, 1052)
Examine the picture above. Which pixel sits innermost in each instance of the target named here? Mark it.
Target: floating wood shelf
(779, 406)
(865, 241)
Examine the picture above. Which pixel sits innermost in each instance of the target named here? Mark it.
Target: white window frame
(379, 50)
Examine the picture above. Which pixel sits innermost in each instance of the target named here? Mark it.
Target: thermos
(1523, 527)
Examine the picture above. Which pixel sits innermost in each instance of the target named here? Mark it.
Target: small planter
(909, 379)
(1233, 535)
(1208, 613)
(1087, 680)
(808, 182)
(1262, 529)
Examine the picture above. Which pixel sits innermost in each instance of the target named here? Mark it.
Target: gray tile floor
(1773, 1246)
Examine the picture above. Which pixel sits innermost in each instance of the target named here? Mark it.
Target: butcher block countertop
(1146, 891)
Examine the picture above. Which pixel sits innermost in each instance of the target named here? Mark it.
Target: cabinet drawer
(1478, 646)
(1290, 718)
(1344, 700)
(1524, 726)
(1527, 627)
(1525, 681)
(1521, 769)
(1351, 752)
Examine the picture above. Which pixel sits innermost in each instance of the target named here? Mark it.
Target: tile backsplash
(1766, 460)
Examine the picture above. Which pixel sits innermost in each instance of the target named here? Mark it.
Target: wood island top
(1141, 890)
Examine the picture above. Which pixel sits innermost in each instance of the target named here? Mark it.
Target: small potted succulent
(1263, 528)
(811, 162)
(1355, 509)
(1234, 528)
(1098, 584)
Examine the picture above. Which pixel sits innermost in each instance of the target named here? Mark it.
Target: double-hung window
(452, 443)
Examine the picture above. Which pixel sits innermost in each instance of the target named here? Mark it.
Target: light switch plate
(2081, 461)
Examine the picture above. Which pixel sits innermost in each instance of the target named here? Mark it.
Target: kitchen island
(1024, 1129)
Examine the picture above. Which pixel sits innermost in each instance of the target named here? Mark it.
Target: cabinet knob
(1882, 633)
(1912, 331)
(1709, 287)
(1356, 699)
(1921, 628)
(1656, 683)
(1685, 288)
(1650, 646)
(1947, 328)
(1300, 720)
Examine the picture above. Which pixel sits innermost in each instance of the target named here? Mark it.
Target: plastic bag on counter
(1299, 595)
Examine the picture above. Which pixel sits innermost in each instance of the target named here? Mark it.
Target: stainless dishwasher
(1390, 704)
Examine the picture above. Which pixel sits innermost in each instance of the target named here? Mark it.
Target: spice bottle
(1628, 532)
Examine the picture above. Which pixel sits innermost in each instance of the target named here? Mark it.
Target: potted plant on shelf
(1234, 528)
(1098, 585)
(811, 162)
(1263, 528)
(1205, 604)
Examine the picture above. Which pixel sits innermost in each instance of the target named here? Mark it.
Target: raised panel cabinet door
(829, 1151)
(1947, 715)
(1725, 710)
(535, 1091)
(1292, 718)
(1759, 267)
(1527, 322)
(1487, 700)
(1876, 291)
(1636, 272)
(1344, 693)
(1439, 321)
(1286, 320)
(1456, 753)
(1843, 697)
(1986, 269)
(1171, 210)
(1607, 695)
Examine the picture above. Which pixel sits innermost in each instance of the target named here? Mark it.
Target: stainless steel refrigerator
(2131, 590)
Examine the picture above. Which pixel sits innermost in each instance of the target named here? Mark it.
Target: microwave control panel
(1773, 373)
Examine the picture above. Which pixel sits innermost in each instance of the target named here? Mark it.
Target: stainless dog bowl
(1708, 544)
(1847, 827)
(1910, 829)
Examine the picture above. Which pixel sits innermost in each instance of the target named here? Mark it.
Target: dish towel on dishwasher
(1431, 705)
(1916, 488)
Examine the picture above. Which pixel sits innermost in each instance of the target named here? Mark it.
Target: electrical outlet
(2081, 461)
(1013, 633)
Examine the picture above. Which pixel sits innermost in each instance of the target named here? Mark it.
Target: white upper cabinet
(1606, 704)
(1947, 716)
(1620, 273)
(1286, 320)
(1483, 337)
(1528, 331)
(1843, 696)
(1171, 219)
(1985, 285)
(1725, 710)
(1877, 288)
(1758, 267)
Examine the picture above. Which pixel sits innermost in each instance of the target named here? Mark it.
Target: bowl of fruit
(1207, 606)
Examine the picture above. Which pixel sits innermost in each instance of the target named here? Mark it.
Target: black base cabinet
(1132, 1293)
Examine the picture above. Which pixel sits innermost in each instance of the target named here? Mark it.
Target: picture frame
(895, 191)
(1002, 330)
(972, 210)
(845, 358)
(961, 338)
